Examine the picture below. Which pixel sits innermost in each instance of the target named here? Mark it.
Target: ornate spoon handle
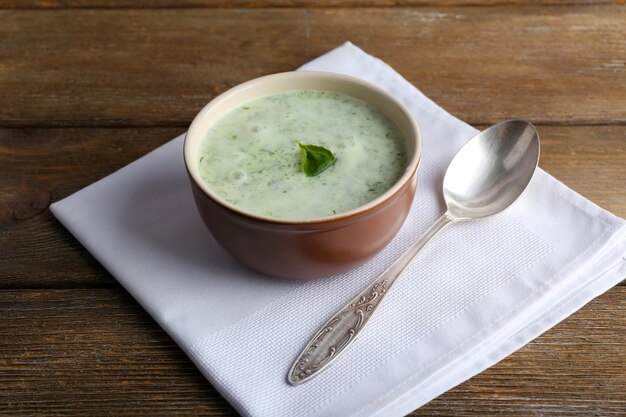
(338, 332)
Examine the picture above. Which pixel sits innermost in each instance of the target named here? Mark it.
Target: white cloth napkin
(478, 291)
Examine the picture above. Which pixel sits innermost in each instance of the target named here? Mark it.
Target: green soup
(251, 159)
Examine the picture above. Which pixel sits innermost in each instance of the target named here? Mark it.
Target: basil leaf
(315, 159)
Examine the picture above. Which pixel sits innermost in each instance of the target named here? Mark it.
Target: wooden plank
(39, 166)
(93, 352)
(590, 160)
(557, 65)
(63, 4)
(96, 352)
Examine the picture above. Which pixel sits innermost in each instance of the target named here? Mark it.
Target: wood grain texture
(96, 352)
(556, 65)
(39, 166)
(65, 4)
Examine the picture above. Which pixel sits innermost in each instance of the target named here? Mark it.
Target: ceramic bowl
(311, 248)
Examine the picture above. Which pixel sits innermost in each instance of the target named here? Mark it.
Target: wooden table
(87, 86)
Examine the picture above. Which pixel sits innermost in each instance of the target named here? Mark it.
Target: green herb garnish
(315, 159)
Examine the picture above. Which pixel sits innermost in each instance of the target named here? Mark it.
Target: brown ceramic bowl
(311, 248)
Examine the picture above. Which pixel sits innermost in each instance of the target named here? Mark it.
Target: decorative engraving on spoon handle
(338, 332)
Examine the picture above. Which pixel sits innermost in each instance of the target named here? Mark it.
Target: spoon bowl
(490, 172)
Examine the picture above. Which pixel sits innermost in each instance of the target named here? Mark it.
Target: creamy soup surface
(251, 158)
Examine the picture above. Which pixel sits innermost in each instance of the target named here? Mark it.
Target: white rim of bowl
(192, 166)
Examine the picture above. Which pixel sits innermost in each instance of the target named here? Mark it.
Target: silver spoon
(486, 176)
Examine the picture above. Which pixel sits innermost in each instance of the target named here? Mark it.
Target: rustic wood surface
(64, 4)
(95, 351)
(553, 64)
(88, 86)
